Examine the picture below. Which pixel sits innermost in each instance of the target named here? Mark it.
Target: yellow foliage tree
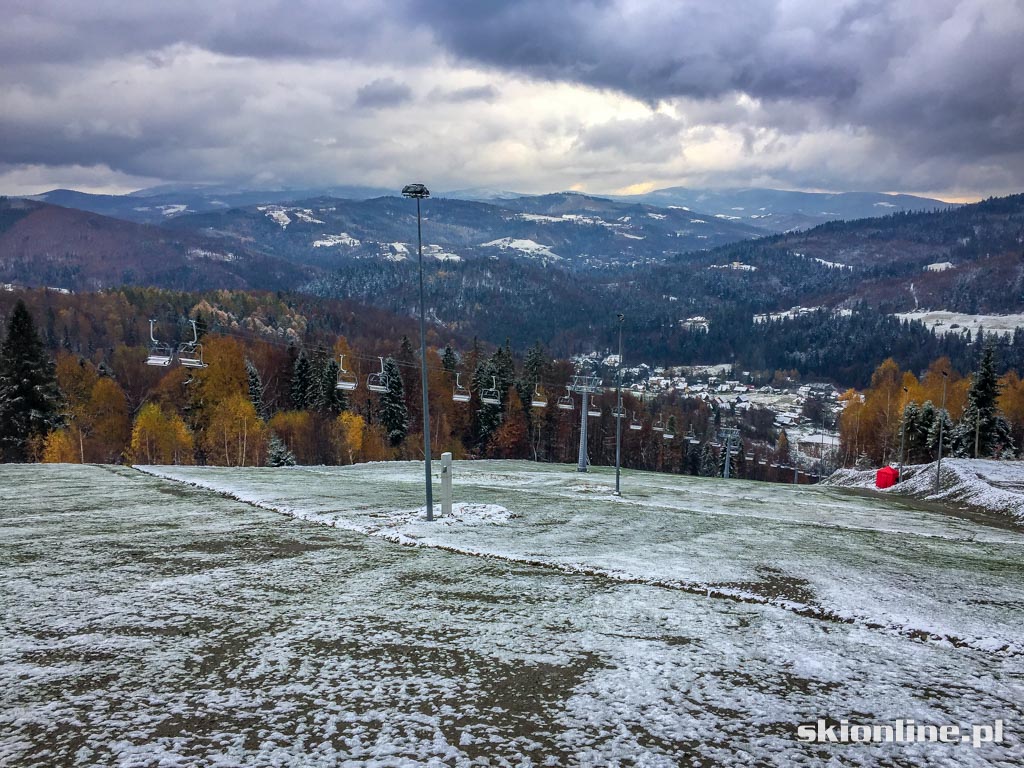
(296, 429)
(160, 439)
(235, 435)
(61, 447)
(347, 434)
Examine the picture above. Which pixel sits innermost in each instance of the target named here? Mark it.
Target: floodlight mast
(618, 409)
(420, 192)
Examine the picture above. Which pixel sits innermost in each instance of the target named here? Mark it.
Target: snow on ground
(151, 622)
(306, 215)
(939, 266)
(941, 321)
(524, 246)
(992, 486)
(276, 214)
(329, 241)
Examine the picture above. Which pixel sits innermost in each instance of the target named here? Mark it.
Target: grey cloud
(485, 93)
(383, 92)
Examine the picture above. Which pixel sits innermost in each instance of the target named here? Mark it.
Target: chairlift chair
(491, 396)
(619, 413)
(160, 354)
(346, 379)
(565, 401)
(539, 399)
(190, 353)
(378, 382)
(593, 409)
(636, 423)
(668, 435)
(659, 425)
(459, 393)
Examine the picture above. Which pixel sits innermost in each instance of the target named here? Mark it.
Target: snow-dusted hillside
(152, 621)
(993, 486)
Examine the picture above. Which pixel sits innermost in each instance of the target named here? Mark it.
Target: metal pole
(423, 371)
(942, 423)
(582, 465)
(903, 432)
(618, 413)
(728, 448)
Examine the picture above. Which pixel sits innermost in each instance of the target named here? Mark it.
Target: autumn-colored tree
(61, 447)
(160, 439)
(347, 433)
(297, 430)
(511, 439)
(235, 435)
(1011, 403)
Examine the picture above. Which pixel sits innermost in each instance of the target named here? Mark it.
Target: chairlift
(539, 399)
(459, 393)
(659, 425)
(636, 423)
(593, 409)
(378, 382)
(190, 353)
(491, 396)
(160, 354)
(346, 379)
(619, 413)
(691, 438)
(762, 462)
(749, 456)
(668, 435)
(565, 401)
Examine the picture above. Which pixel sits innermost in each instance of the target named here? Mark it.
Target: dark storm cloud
(933, 75)
(921, 94)
(383, 92)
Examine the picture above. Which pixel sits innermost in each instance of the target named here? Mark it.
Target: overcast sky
(923, 96)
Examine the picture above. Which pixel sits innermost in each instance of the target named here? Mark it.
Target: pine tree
(278, 454)
(945, 423)
(979, 432)
(29, 399)
(449, 360)
(302, 377)
(393, 413)
(708, 461)
(255, 387)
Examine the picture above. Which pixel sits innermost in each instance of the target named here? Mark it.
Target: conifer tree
(708, 461)
(449, 360)
(393, 413)
(255, 387)
(302, 376)
(29, 398)
(278, 454)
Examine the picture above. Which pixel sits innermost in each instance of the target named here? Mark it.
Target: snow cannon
(886, 477)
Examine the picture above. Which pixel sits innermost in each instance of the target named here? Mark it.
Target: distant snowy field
(944, 322)
(205, 616)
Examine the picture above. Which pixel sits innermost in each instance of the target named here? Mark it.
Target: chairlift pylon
(459, 393)
(190, 353)
(160, 354)
(539, 400)
(378, 382)
(619, 413)
(346, 379)
(491, 396)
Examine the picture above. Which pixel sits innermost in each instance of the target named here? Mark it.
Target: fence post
(446, 484)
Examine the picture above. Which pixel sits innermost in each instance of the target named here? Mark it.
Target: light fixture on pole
(942, 423)
(618, 410)
(419, 192)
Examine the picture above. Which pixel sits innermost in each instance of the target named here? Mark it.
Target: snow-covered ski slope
(983, 484)
(152, 621)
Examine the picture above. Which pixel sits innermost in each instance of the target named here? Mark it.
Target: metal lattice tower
(586, 386)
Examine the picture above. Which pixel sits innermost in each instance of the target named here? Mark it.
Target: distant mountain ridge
(766, 210)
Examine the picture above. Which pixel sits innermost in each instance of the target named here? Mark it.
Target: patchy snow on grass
(306, 215)
(150, 622)
(992, 486)
(939, 266)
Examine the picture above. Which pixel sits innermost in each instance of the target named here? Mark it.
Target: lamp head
(418, 191)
